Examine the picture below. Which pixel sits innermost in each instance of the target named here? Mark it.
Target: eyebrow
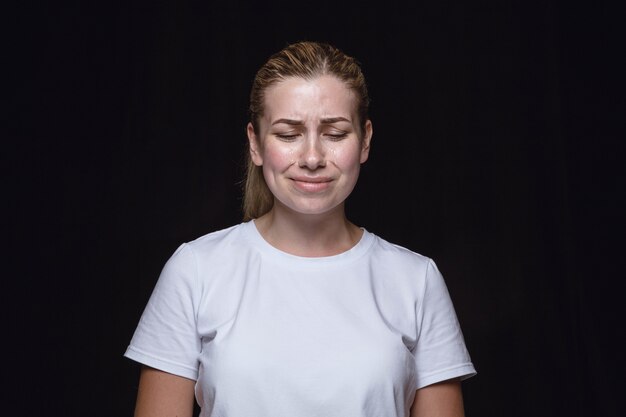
(288, 122)
(334, 120)
(328, 120)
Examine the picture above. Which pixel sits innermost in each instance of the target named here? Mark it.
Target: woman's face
(308, 144)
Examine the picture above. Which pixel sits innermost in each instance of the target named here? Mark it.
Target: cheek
(277, 158)
(348, 160)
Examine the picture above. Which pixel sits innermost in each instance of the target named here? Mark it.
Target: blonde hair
(307, 60)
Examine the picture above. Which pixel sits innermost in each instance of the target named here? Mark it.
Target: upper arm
(443, 399)
(161, 394)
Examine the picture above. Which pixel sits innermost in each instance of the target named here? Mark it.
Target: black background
(497, 151)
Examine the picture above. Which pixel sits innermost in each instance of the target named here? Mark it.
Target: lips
(311, 184)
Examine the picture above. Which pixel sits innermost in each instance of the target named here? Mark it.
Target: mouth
(311, 184)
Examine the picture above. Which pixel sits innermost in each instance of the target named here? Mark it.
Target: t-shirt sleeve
(166, 337)
(440, 351)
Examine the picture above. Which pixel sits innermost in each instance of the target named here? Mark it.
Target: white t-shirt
(269, 334)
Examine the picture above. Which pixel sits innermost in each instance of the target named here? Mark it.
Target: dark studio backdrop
(497, 151)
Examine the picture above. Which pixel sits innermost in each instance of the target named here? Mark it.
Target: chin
(312, 209)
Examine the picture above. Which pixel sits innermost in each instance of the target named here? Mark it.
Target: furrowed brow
(330, 120)
(288, 122)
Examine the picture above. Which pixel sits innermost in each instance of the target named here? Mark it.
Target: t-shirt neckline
(359, 249)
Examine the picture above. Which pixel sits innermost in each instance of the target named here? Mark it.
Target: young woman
(298, 312)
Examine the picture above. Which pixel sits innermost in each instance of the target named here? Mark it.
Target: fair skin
(161, 394)
(311, 145)
(444, 399)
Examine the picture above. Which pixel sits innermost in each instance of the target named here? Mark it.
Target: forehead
(323, 96)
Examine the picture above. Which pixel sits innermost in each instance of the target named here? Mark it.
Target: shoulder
(205, 247)
(220, 240)
(399, 257)
(189, 264)
(218, 237)
(215, 250)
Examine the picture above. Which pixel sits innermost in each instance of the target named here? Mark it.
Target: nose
(313, 154)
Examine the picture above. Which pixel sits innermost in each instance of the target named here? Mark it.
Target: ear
(255, 146)
(365, 142)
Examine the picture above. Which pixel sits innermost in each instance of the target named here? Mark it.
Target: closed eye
(337, 136)
(287, 136)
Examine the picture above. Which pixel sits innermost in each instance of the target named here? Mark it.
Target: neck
(308, 235)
